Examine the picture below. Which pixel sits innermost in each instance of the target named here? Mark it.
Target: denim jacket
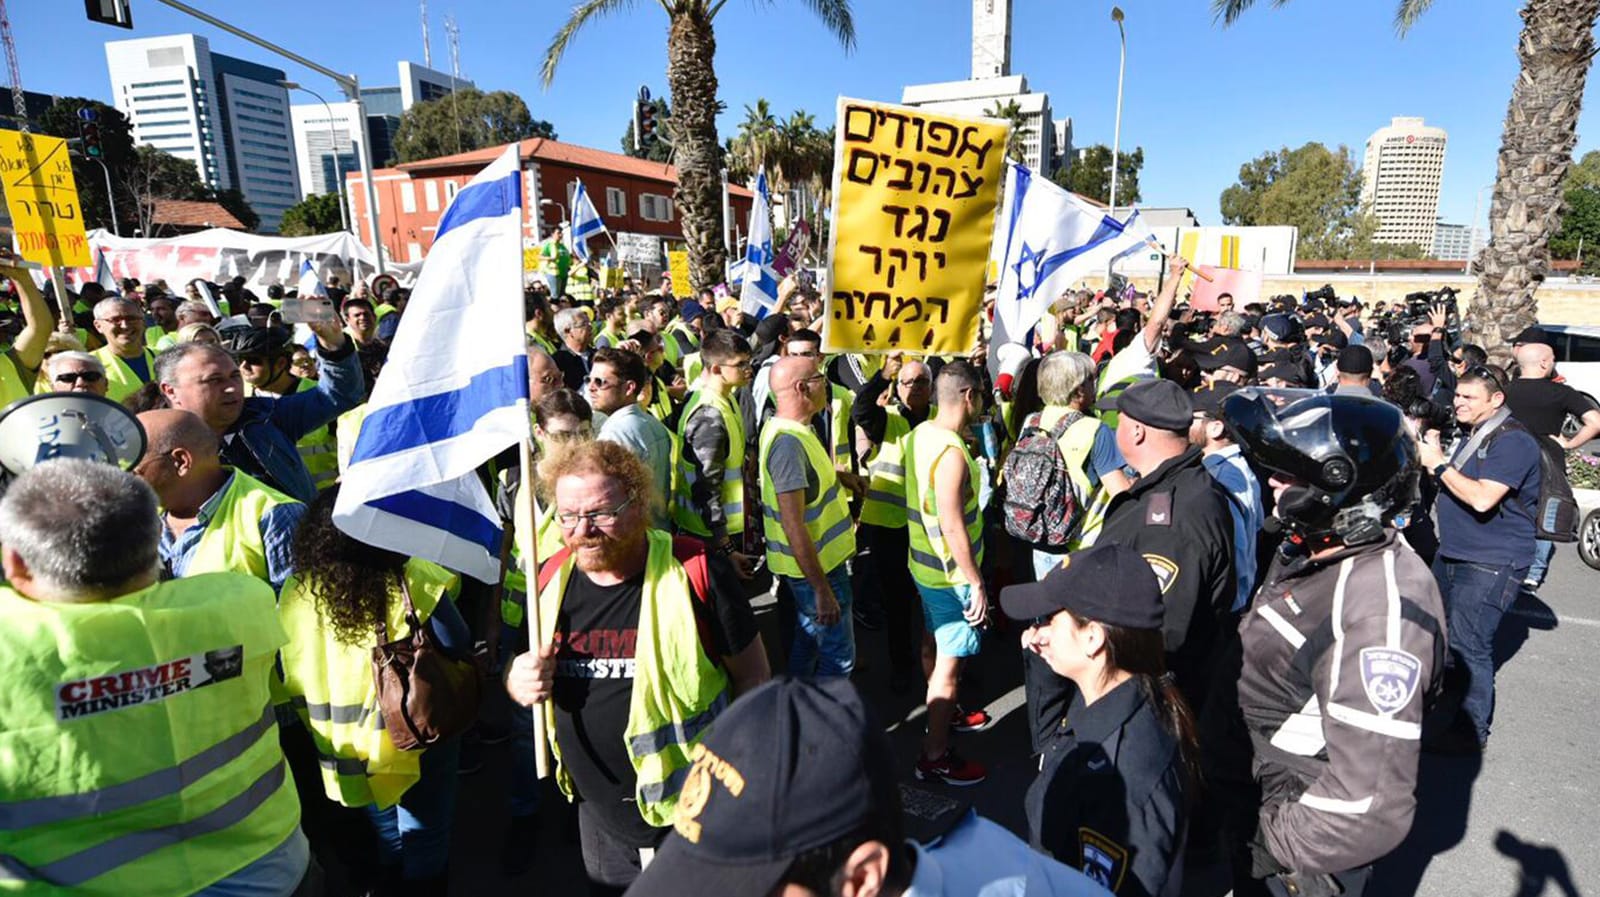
(262, 441)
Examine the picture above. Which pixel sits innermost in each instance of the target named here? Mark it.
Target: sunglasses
(71, 377)
(1484, 372)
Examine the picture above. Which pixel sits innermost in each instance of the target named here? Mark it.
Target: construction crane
(19, 103)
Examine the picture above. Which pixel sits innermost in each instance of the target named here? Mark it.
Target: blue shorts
(942, 611)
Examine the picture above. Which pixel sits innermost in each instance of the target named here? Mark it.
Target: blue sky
(1200, 99)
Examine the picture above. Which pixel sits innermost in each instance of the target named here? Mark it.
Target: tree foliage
(1011, 113)
(795, 153)
(116, 143)
(1090, 174)
(1317, 190)
(316, 214)
(465, 121)
(1580, 229)
(154, 174)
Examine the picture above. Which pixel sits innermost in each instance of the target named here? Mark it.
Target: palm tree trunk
(1556, 47)
(691, 77)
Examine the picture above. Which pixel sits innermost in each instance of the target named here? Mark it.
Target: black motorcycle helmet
(1353, 460)
(267, 342)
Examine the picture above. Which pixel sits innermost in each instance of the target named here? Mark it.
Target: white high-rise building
(992, 85)
(1400, 179)
(228, 116)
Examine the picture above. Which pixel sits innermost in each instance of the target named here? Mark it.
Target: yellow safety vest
(608, 338)
(684, 512)
(538, 339)
(840, 401)
(579, 285)
(827, 517)
(660, 406)
(885, 504)
(677, 690)
(1075, 445)
(932, 564)
(348, 427)
(121, 381)
(138, 745)
(329, 683)
(693, 365)
(678, 341)
(232, 540)
(318, 449)
(547, 535)
(11, 386)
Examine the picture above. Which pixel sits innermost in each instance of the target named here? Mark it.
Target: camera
(1398, 321)
(1325, 294)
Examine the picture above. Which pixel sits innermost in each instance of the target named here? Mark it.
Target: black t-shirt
(1542, 405)
(596, 631)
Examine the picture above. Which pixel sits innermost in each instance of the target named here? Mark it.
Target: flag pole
(530, 570)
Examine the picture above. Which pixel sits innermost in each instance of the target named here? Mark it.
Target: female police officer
(1111, 794)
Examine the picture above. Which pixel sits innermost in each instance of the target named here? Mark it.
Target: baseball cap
(1230, 354)
(789, 767)
(1355, 360)
(1208, 401)
(692, 310)
(1079, 585)
(1534, 334)
(1157, 403)
(1290, 373)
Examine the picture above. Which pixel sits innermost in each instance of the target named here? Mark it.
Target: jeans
(822, 650)
(1476, 597)
(415, 833)
(277, 873)
(1543, 551)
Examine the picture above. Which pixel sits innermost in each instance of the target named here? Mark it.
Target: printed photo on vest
(146, 685)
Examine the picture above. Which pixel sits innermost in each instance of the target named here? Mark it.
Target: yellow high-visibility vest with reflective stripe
(677, 690)
(232, 540)
(840, 401)
(827, 517)
(677, 341)
(683, 509)
(547, 533)
(318, 449)
(329, 683)
(121, 381)
(885, 504)
(1075, 445)
(932, 564)
(138, 744)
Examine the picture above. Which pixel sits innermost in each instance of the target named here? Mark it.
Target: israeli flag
(759, 292)
(454, 392)
(310, 285)
(1053, 239)
(104, 277)
(585, 223)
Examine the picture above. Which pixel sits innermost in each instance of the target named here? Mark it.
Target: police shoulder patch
(1101, 858)
(1390, 677)
(1165, 568)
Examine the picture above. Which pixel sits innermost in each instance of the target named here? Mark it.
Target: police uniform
(1338, 656)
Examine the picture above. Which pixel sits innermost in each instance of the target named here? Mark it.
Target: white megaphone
(69, 425)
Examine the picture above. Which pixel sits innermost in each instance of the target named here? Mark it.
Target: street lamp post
(551, 202)
(1472, 229)
(1116, 132)
(333, 144)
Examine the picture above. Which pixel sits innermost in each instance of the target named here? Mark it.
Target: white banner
(218, 255)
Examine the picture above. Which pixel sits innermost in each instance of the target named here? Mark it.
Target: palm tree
(1555, 49)
(760, 137)
(1011, 111)
(692, 82)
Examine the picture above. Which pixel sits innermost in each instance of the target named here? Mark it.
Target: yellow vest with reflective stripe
(677, 341)
(11, 386)
(121, 381)
(318, 449)
(932, 564)
(827, 518)
(514, 591)
(232, 540)
(885, 504)
(683, 509)
(677, 690)
(329, 683)
(660, 406)
(1075, 445)
(138, 745)
(347, 427)
(840, 401)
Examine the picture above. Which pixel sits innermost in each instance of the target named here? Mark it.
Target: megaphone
(69, 425)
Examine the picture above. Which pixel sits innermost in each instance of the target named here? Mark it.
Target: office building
(228, 116)
(1400, 179)
(1456, 242)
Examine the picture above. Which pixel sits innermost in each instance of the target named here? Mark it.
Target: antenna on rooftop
(453, 34)
(427, 45)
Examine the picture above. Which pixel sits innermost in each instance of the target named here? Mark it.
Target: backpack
(1555, 518)
(1041, 507)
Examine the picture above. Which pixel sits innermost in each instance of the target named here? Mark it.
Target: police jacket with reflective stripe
(1339, 655)
(138, 747)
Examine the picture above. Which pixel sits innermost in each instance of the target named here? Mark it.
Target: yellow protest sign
(678, 267)
(530, 258)
(611, 278)
(914, 201)
(43, 199)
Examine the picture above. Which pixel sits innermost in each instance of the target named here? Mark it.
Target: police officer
(1110, 796)
(1177, 516)
(1343, 641)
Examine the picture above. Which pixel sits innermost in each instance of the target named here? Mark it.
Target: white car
(1577, 349)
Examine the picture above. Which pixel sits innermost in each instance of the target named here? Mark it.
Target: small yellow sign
(530, 258)
(42, 197)
(678, 267)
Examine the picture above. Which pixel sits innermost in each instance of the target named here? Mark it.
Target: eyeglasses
(72, 377)
(598, 519)
(123, 320)
(916, 381)
(804, 381)
(581, 432)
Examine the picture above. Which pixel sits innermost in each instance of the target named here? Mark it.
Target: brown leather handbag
(425, 695)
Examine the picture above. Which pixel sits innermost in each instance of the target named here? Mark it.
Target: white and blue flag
(454, 392)
(104, 277)
(1052, 239)
(585, 223)
(310, 285)
(758, 294)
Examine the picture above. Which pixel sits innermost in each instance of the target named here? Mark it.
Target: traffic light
(110, 12)
(89, 132)
(646, 118)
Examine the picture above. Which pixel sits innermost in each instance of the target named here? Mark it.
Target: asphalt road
(1523, 820)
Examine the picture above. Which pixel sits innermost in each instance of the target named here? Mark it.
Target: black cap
(791, 766)
(1534, 334)
(1157, 403)
(1079, 586)
(1230, 353)
(1355, 360)
(1332, 338)
(1280, 327)
(1208, 401)
(1290, 373)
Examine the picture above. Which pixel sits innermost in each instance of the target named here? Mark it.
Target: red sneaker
(951, 769)
(970, 720)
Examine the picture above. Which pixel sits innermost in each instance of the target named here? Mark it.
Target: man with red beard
(644, 640)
